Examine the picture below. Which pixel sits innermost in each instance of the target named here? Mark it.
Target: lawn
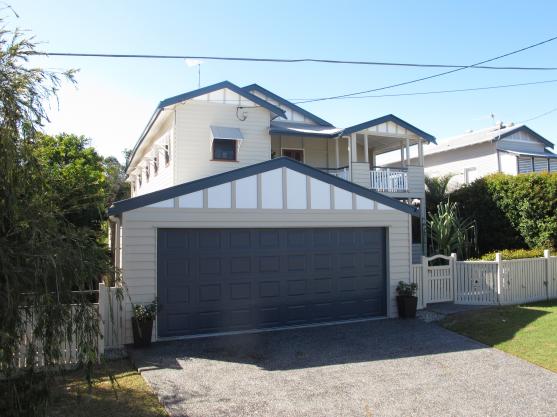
(128, 395)
(528, 331)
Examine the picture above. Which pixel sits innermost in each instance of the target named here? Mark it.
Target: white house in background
(510, 149)
(230, 235)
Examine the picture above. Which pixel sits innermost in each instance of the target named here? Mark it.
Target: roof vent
(470, 131)
(510, 124)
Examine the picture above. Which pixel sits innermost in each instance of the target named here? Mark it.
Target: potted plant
(142, 323)
(406, 299)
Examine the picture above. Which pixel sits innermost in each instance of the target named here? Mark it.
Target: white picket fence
(108, 310)
(486, 283)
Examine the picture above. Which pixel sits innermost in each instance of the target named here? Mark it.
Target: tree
(437, 191)
(45, 252)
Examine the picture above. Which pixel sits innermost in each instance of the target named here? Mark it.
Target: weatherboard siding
(482, 156)
(140, 236)
(521, 142)
(193, 138)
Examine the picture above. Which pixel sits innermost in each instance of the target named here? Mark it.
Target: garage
(221, 280)
(270, 245)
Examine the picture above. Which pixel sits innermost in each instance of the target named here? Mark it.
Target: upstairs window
(167, 154)
(225, 142)
(156, 165)
(224, 150)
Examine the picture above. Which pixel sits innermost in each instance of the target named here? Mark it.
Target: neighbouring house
(510, 149)
(249, 212)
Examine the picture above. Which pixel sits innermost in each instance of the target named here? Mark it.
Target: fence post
(103, 300)
(453, 275)
(425, 282)
(499, 276)
(546, 272)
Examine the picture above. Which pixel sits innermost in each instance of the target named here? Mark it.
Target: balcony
(389, 180)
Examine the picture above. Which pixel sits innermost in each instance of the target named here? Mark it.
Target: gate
(438, 280)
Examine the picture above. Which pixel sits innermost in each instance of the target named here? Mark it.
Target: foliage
(145, 312)
(449, 233)
(494, 228)
(437, 191)
(517, 254)
(406, 290)
(526, 331)
(47, 246)
(517, 211)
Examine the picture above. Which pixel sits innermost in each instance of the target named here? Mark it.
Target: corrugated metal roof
(303, 129)
(490, 134)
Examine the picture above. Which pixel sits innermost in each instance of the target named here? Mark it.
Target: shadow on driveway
(311, 347)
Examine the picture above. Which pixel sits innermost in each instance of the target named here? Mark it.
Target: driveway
(373, 368)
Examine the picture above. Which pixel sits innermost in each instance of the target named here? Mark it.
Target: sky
(114, 98)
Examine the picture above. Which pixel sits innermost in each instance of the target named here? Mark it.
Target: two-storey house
(249, 212)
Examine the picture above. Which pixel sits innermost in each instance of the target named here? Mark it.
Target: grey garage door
(216, 280)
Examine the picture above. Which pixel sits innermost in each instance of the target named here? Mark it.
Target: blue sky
(114, 98)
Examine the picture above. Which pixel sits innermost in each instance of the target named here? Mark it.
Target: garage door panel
(233, 279)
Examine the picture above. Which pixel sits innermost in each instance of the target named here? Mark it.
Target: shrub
(493, 228)
(516, 254)
(406, 290)
(515, 211)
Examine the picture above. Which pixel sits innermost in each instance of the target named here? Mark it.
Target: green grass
(126, 396)
(528, 331)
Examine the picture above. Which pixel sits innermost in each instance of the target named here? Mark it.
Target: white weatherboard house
(510, 149)
(248, 212)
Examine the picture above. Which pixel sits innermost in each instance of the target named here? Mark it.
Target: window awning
(228, 133)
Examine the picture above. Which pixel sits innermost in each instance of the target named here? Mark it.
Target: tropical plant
(437, 191)
(448, 233)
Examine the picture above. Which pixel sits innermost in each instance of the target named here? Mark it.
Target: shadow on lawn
(311, 347)
(499, 324)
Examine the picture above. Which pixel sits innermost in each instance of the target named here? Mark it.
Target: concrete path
(374, 368)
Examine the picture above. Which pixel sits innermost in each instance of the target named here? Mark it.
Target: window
(296, 154)
(139, 179)
(470, 175)
(156, 165)
(167, 154)
(147, 171)
(224, 150)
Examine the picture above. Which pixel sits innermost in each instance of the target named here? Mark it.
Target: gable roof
(489, 134)
(390, 118)
(201, 184)
(284, 102)
(199, 92)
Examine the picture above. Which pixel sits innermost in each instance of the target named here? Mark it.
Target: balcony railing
(390, 180)
(341, 172)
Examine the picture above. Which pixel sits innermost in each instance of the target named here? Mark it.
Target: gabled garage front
(267, 246)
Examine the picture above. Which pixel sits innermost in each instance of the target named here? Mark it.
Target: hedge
(512, 212)
(517, 254)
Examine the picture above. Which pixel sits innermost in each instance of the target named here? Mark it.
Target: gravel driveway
(374, 368)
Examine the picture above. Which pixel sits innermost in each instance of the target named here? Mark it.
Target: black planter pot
(142, 331)
(407, 305)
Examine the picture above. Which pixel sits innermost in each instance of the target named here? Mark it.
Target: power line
(418, 93)
(539, 115)
(293, 60)
(432, 76)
